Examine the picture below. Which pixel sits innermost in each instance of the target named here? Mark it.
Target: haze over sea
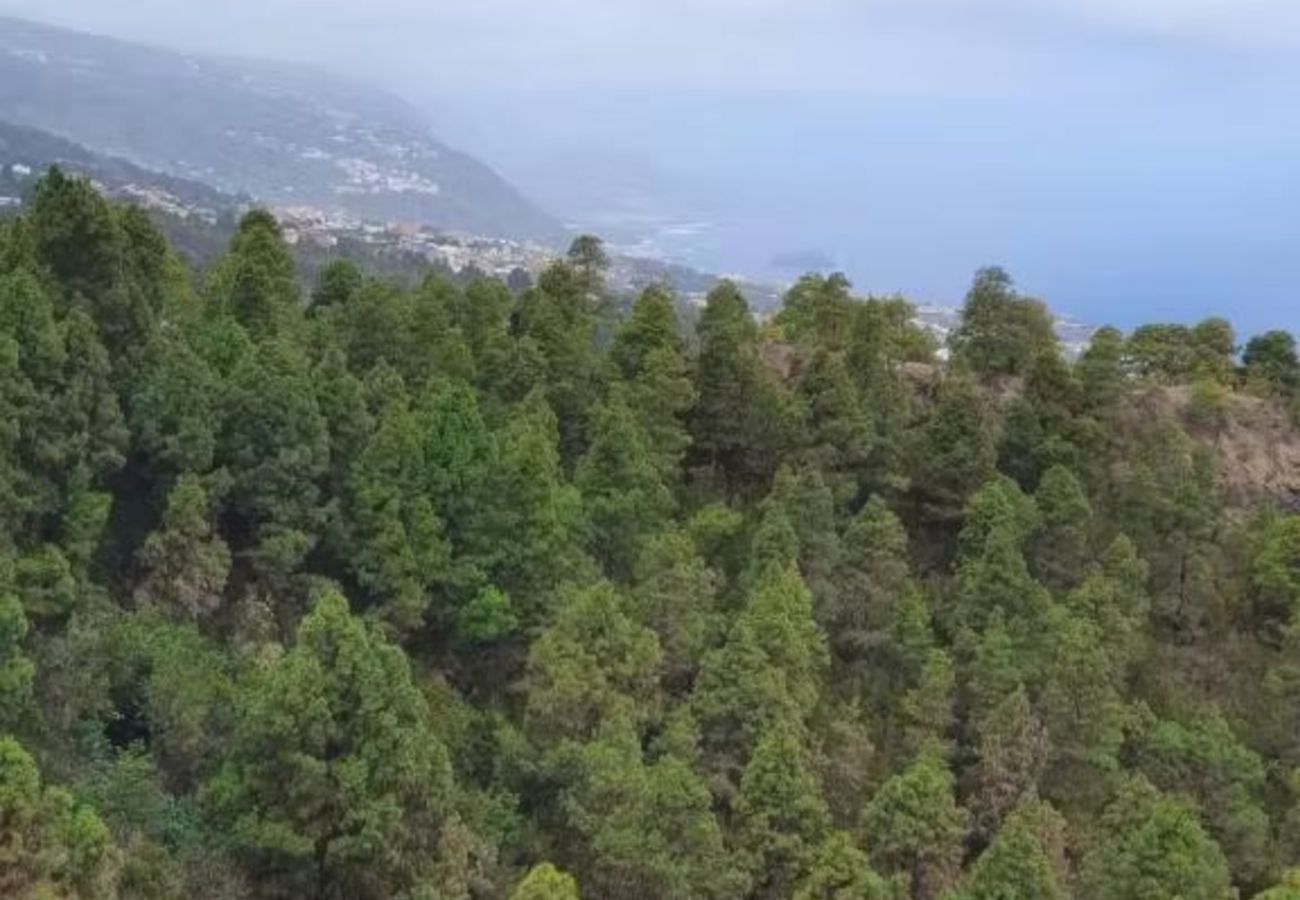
(1127, 161)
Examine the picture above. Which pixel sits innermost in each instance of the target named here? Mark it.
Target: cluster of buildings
(499, 257)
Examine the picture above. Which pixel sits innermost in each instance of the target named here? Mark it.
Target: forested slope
(444, 593)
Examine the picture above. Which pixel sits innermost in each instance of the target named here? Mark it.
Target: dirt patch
(1258, 446)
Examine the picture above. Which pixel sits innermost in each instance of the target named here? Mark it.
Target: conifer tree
(16, 669)
(1016, 865)
(782, 817)
(953, 454)
(256, 284)
(840, 871)
(1153, 846)
(335, 783)
(622, 495)
(735, 425)
(913, 827)
(545, 882)
(185, 563)
(1059, 548)
(768, 671)
(649, 826)
(592, 664)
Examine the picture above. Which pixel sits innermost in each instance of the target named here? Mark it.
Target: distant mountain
(26, 152)
(200, 220)
(287, 135)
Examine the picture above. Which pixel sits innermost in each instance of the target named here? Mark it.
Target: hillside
(283, 134)
(382, 592)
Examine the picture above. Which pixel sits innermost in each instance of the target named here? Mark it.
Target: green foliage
(592, 664)
(1012, 752)
(1017, 864)
(782, 814)
(913, 826)
(1270, 360)
(672, 613)
(334, 779)
(1000, 331)
(256, 284)
(769, 670)
(185, 564)
(16, 670)
(649, 827)
(173, 406)
(401, 549)
(953, 454)
(840, 871)
(737, 424)
(1160, 352)
(1153, 847)
(624, 499)
(818, 310)
(1101, 370)
(676, 595)
(1203, 759)
(50, 845)
(1059, 548)
(545, 882)
(1287, 889)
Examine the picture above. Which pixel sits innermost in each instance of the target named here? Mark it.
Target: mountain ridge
(281, 132)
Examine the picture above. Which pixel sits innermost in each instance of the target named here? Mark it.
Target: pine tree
(1016, 865)
(592, 663)
(735, 425)
(1080, 706)
(991, 573)
(840, 871)
(953, 454)
(676, 594)
(769, 670)
(560, 317)
(818, 310)
(1201, 758)
(336, 285)
(914, 827)
(459, 453)
(871, 577)
(545, 882)
(174, 406)
(782, 817)
(1153, 846)
(1101, 370)
(16, 669)
(334, 779)
(838, 430)
(256, 284)
(535, 516)
(185, 562)
(649, 827)
(927, 711)
(1000, 332)
(275, 444)
(622, 495)
(53, 845)
(75, 235)
(1058, 550)
(1012, 752)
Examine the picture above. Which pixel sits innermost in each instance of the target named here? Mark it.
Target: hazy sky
(1127, 159)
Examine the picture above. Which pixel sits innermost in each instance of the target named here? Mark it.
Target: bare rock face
(1256, 442)
(1259, 453)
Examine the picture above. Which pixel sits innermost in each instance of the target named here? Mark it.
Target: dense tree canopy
(535, 591)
